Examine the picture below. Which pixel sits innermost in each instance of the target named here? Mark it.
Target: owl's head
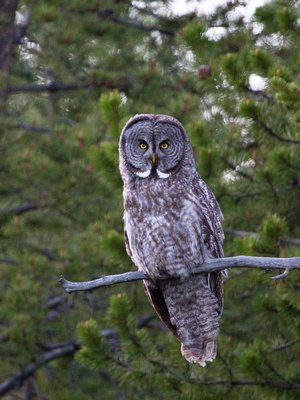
(154, 146)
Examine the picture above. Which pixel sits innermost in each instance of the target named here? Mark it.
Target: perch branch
(210, 265)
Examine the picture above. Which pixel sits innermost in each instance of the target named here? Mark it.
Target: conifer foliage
(72, 73)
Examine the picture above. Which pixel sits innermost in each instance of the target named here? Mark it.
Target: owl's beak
(153, 159)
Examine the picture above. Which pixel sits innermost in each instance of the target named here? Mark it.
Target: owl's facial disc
(153, 149)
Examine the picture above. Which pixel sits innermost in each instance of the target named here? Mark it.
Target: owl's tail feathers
(194, 311)
(200, 350)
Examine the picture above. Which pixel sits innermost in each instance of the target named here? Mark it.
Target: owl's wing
(155, 295)
(210, 217)
(156, 298)
(127, 246)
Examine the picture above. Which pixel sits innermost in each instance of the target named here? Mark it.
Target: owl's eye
(143, 145)
(164, 145)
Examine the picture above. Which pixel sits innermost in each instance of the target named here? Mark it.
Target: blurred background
(72, 73)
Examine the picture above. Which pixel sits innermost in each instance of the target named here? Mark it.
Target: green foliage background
(81, 70)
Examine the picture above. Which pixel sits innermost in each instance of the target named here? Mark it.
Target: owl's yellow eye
(143, 146)
(164, 145)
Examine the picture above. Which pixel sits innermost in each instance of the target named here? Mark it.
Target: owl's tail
(194, 311)
(200, 351)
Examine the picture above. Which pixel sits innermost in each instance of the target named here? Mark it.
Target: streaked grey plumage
(167, 209)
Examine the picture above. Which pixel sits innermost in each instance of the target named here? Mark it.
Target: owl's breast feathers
(164, 222)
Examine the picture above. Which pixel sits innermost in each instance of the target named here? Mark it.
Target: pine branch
(9, 261)
(25, 125)
(210, 265)
(19, 378)
(237, 170)
(122, 84)
(230, 382)
(284, 346)
(51, 87)
(283, 241)
(63, 349)
(25, 207)
(126, 20)
(179, 20)
(248, 382)
(137, 25)
(273, 134)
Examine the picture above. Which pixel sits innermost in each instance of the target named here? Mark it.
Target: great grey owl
(168, 210)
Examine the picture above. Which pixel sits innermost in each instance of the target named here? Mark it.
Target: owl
(171, 218)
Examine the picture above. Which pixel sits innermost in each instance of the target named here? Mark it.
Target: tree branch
(24, 373)
(284, 346)
(237, 170)
(103, 281)
(123, 83)
(210, 265)
(248, 382)
(138, 25)
(9, 261)
(57, 350)
(51, 87)
(273, 134)
(26, 207)
(24, 125)
(126, 20)
(283, 241)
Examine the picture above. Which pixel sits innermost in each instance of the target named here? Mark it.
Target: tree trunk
(7, 27)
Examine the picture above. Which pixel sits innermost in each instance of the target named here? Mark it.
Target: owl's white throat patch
(162, 174)
(143, 174)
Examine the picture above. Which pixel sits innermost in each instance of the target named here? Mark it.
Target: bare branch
(210, 265)
(103, 281)
(283, 275)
